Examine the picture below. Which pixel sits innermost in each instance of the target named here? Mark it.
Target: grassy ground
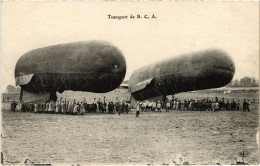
(154, 138)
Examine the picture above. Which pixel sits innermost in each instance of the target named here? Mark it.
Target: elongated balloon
(195, 71)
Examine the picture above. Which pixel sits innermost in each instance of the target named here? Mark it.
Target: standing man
(99, 105)
(75, 109)
(43, 107)
(150, 104)
(36, 107)
(159, 106)
(95, 105)
(46, 107)
(109, 107)
(144, 104)
(217, 106)
(13, 106)
(126, 107)
(112, 107)
(179, 104)
(82, 109)
(71, 106)
(66, 107)
(57, 104)
(168, 105)
(247, 107)
(191, 105)
(119, 107)
(137, 110)
(238, 104)
(23, 107)
(31, 107)
(53, 107)
(49, 108)
(244, 105)
(62, 107)
(154, 106)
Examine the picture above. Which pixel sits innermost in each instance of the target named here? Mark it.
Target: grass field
(154, 138)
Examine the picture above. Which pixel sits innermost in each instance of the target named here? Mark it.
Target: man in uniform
(126, 107)
(62, 107)
(40, 107)
(159, 106)
(82, 109)
(23, 107)
(71, 106)
(66, 107)
(99, 105)
(119, 107)
(191, 105)
(137, 110)
(36, 107)
(168, 105)
(53, 106)
(175, 104)
(76, 109)
(46, 108)
(43, 107)
(247, 107)
(244, 105)
(238, 104)
(13, 106)
(144, 106)
(31, 107)
(95, 105)
(185, 105)
(149, 107)
(154, 106)
(179, 105)
(57, 104)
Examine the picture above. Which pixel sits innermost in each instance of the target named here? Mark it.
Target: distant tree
(257, 83)
(245, 82)
(236, 83)
(233, 83)
(254, 82)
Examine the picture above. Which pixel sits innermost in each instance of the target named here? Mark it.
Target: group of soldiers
(75, 108)
(195, 105)
(112, 107)
(58, 107)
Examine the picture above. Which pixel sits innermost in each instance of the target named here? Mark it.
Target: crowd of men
(195, 105)
(75, 108)
(112, 107)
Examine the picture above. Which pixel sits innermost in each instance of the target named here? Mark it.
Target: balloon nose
(232, 67)
(118, 66)
(228, 67)
(223, 61)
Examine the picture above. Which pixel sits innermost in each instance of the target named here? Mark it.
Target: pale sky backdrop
(180, 27)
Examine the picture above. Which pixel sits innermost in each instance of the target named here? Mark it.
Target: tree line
(244, 82)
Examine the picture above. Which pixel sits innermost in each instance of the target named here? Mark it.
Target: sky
(179, 27)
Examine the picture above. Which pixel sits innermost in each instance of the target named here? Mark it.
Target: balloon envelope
(94, 66)
(195, 71)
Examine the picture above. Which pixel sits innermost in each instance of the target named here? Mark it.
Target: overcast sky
(180, 27)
